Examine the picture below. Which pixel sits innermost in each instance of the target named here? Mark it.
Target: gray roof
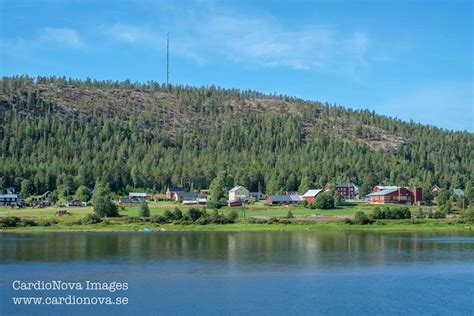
(137, 194)
(383, 192)
(236, 188)
(9, 196)
(285, 198)
(459, 192)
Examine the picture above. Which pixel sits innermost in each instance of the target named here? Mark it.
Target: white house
(239, 193)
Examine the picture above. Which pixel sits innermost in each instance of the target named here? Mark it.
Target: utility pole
(167, 58)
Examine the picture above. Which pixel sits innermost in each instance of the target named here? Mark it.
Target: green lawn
(66, 223)
(158, 208)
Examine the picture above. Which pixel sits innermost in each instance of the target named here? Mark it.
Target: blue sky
(409, 59)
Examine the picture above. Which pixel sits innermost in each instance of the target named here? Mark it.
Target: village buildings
(396, 195)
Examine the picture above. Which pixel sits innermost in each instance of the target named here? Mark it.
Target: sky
(413, 60)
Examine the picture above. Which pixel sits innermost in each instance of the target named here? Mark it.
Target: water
(264, 273)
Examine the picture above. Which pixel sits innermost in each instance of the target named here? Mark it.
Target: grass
(259, 209)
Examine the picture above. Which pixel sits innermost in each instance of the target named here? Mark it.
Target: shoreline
(246, 227)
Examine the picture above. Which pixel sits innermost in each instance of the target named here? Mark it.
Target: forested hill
(58, 134)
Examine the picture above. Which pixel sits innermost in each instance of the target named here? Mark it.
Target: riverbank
(385, 226)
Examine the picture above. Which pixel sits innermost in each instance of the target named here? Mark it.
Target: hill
(57, 134)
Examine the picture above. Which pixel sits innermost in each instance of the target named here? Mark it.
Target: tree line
(47, 146)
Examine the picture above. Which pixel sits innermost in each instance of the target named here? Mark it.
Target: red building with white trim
(396, 195)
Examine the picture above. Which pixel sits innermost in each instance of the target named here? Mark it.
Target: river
(263, 273)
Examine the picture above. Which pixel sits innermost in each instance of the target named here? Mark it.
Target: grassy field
(69, 223)
(158, 208)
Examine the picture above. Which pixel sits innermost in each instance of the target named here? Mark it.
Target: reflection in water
(262, 273)
(284, 249)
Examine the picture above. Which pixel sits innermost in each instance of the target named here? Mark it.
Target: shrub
(144, 210)
(289, 215)
(437, 215)
(91, 219)
(361, 218)
(420, 214)
(168, 216)
(27, 222)
(176, 215)
(324, 201)
(468, 216)
(232, 216)
(10, 221)
(159, 219)
(194, 214)
(391, 213)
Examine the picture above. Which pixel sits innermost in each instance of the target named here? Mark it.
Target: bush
(361, 218)
(232, 216)
(194, 214)
(91, 219)
(468, 216)
(176, 215)
(158, 219)
(420, 214)
(437, 215)
(10, 221)
(391, 213)
(289, 215)
(324, 201)
(168, 216)
(144, 210)
(136, 219)
(27, 222)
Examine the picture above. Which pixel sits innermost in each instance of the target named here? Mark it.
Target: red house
(310, 195)
(347, 190)
(396, 195)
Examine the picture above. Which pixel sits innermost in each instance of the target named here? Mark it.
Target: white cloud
(256, 39)
(63, 36)
(131, 34)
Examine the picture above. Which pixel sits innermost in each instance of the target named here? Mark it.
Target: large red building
(396, 195)
(347, 190)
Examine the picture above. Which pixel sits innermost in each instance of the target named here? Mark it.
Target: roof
(343, 185)
(176, 189)
(459, 192)
(286, 198)
(386, 187)
(236, 188)
(383, 192)
(312, 193)
(139, 194)
(9, 196)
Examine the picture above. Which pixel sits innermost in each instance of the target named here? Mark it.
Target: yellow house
(239, 193)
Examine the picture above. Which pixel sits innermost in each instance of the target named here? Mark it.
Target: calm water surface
(263, 273)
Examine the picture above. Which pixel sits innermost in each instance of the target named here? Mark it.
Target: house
(239, 193)
(435, 189)
(125, 201)
(284, 199)
(291, 193)
(171, 191)
(396, 195)
(204, 192)
(310, 195)
(458, 192)
(138, 197)
(185, 196)
(257, 196)
(8, 199)
(74, 202)
(347, 190)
